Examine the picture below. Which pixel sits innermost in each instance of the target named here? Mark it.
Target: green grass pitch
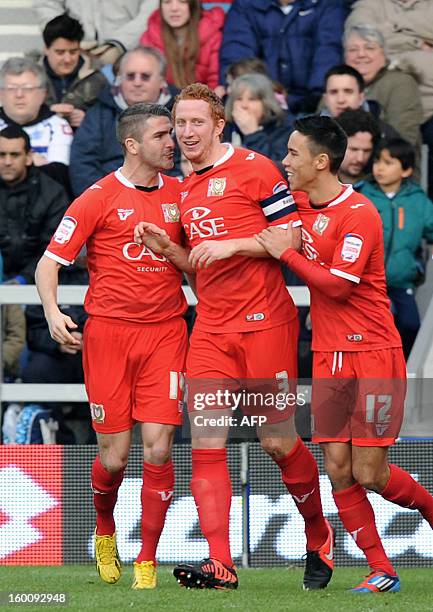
(264, 590)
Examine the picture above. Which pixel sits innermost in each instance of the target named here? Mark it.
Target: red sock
(403, 490)
(357, 516)
(156, 496)
(301, 477)
(212, 491)
(105, 486)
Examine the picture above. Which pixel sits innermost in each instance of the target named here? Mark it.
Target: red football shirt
(237, 197)
(127, 281)
(346, 237)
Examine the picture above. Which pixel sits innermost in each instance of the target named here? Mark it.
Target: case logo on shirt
(65, 230)
(352, 246)
(136, 252)
(320, 224)
(171, 212)
(199, 226)
(307, 245)
(124, 213)
(216, 187)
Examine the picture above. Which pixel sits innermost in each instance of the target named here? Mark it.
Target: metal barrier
(72, 294)
(419, 405)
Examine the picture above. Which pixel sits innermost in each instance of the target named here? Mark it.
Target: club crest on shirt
(97, 412)
(124, 213)
(320, 224)
(216, 187)
(171, 212)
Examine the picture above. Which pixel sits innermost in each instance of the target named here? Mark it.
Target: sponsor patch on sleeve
(65, 230)
(352, 247)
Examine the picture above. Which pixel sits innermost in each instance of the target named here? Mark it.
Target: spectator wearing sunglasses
(95, 151)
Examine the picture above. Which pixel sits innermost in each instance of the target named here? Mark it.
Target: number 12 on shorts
(377, 408)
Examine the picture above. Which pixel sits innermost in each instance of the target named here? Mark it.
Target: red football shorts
(358, 397)
(134, 372)
(252, 365)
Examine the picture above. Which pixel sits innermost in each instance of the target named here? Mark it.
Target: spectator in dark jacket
(72, 85)
(50, 362)
(31, 207)
(345, 88)
(95, 151)
(298, 39)
(256, 120)
(363, 136)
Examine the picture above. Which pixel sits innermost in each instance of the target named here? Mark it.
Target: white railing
(73, 294)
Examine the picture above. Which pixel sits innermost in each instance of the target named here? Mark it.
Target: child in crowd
(407, 217)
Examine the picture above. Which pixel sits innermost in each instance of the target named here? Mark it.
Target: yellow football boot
(144, 575)
(107, 558)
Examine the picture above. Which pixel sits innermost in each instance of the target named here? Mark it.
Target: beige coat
(14, 337)
(103, 20)
(407, 26)
(399, 99)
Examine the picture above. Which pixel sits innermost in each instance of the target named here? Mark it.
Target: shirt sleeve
(359, 233)
(80, 221)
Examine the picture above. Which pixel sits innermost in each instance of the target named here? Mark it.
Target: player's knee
(273, 447)
(113, 462)
(371, 477)
(339, 472)
(157, 454)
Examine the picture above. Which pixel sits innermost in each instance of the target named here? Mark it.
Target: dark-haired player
(135, 338)
(359, 373)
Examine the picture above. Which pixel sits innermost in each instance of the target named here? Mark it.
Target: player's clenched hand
(276, 240)
(59, 325)
(208, 251)
(152, 236)
(73, 350)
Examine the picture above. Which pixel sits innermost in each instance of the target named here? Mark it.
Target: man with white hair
(397, 92)
(23, 89)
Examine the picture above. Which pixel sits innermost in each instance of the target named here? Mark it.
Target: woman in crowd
(255, 118)
(190, 39)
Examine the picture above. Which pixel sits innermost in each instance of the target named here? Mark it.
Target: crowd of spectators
(365, 63)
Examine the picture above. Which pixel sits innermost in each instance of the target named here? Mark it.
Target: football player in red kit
(359, 372)
(135, 339)
(246, 329)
